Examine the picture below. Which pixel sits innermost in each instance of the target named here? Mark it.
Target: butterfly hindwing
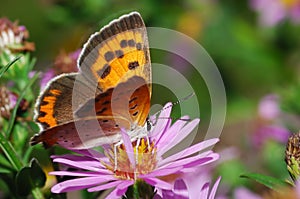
(61, 97)
(82, 133)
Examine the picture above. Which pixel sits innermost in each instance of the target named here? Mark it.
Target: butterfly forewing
(119, 51)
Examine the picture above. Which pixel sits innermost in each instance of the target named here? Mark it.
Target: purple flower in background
(143, 161)
(271, 12)
(268, 107)
(66, 62)
(46, 77)
(180, 190)
(269, 126)
(13, 38)
(8, 100)
(242, 192)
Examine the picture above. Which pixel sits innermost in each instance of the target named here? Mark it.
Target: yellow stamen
(145, 157)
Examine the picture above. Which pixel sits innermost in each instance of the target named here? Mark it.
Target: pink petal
(158, 194)
(161, 124)
(120, 190)
(191, 150)
(184, 132)
(242, 192)
(158, 183)
(80, 159)
(193, 161)
(167, 137)
(214, 189)
(180, 190)
(81, 165)
(78, 173)
(109, 185)
(78, 184)
(128, 147)
(161, 172)
(203, 192)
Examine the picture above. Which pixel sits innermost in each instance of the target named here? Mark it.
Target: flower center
(145, 159)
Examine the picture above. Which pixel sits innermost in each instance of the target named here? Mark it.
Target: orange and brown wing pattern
(119, 51)
(56, 103)
(51, 109)
(111, 91)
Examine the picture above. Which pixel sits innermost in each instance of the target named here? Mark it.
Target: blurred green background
(255, 58)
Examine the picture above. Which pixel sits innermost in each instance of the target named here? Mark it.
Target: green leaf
(29, 178)
(37, 174)
(5, 166)
(10, 152)
(23, 183)
(5, 68)
(268, 181)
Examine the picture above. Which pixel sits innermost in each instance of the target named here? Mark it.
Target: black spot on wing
(109, 56)
(119, 53)
(131, 43)
(131, 100)
(133, 65)
(102, 110)
(139, 46)
(135, 113)
(123, 43)
(103, 72)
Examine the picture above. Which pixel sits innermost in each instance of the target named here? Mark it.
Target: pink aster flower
(143, 163)
(242, 192)
(180, 190)
(269, 125)
(274, 11)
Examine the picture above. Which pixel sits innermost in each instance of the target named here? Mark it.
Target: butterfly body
(111, 91)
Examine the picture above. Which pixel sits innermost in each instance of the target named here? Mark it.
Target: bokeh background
(254, 43)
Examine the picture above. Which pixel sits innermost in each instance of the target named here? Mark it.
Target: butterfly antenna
(175, 103)
(149, 123)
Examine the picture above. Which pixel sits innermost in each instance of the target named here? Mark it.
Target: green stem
(37, 194)
(21, 96)
(8, 148)
(136, 194)
(10, 152)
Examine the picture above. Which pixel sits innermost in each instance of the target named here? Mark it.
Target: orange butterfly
(111, 91)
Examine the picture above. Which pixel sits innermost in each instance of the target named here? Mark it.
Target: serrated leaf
(268, 181)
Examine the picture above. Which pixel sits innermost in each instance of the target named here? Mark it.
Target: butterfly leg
(115, 153)
(148, 142)
(138, 141)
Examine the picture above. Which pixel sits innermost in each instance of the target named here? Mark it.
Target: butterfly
(111, 92)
